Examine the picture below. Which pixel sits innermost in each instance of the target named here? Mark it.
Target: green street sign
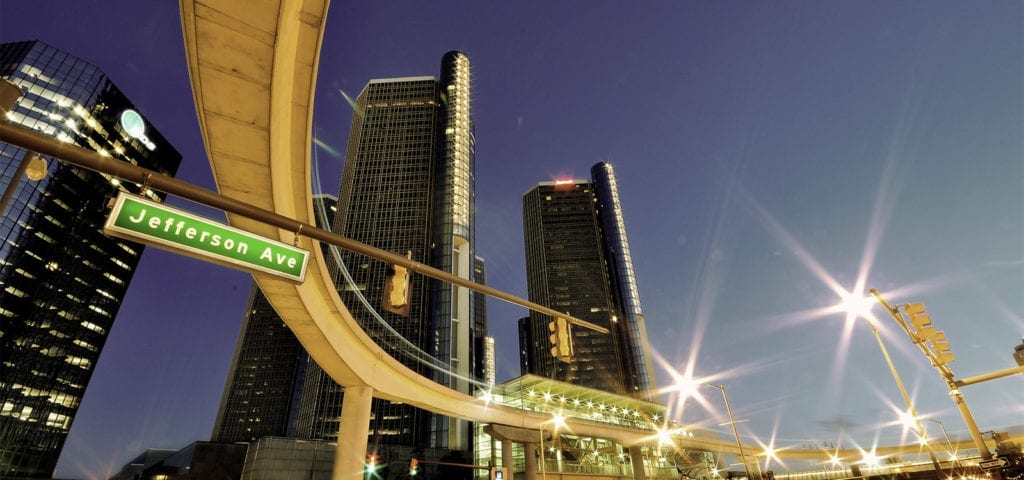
(144, 221)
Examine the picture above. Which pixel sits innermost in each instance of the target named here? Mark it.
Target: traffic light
(940, 347)
(921, 322)
(925, 331)
(414, 466)
(500, 473)
(396, 289)
(371, 464)
(561, 339)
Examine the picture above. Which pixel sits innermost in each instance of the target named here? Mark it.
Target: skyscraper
(261, 395)
(483, 349)
(578, 261)
(61, 279)
(407, 187)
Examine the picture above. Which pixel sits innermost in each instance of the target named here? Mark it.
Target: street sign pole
(997, 462)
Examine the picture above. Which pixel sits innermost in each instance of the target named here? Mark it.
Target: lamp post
(557, 421)
(949, 443)
(735, 431)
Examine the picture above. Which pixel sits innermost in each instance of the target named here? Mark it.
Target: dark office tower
(261, 394)
(61, 279)
(407, 187)
(528, 347)
(483, 363)
(578, 262)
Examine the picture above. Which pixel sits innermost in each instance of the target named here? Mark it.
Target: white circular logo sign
(134, 126)
(132, 123)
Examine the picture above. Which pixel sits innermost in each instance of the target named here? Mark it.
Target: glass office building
(578, 261)
(407, 187)
(61, 279)
(261, 395)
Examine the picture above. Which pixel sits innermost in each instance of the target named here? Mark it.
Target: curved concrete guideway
(253, 70)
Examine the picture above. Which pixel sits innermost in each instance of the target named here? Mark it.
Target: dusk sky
(768, 155)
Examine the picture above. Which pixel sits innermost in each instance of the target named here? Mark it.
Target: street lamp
(557, 421)
(735, 431)
(32, 164)
(949, 443)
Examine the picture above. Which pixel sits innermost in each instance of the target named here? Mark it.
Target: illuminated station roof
(536, 393)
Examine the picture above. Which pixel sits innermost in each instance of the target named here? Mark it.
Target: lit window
(57, 420)
(94, 327)
(78, 361)
(45, 237)
(113, 278)
(85, 345)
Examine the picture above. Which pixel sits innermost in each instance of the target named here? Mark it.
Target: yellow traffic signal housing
(925, 331)
(940, 347)
(500, 473)
(921, 322)
(414, 466)
(396, 289)
(561, 339)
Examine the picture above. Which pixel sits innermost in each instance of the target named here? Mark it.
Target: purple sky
(760, 148)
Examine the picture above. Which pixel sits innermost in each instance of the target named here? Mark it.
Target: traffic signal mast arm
(51, 146)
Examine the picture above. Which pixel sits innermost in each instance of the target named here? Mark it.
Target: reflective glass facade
(261, 395)
(578, 262)
(483, 353)
(407, 187)
(638, 371)
(260, 391)
(61, 279)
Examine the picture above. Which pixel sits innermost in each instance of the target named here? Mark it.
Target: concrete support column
(506, 456)
(353, 433)
(636, 458)
(531, 460)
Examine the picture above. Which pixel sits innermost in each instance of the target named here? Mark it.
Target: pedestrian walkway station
(566, 452)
